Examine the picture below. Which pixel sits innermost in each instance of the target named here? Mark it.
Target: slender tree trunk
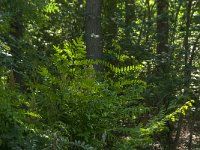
(162, 36)
(93, 33)
(191, 129)
(187, 71)
(148, 21)
(130, 12)
(17, 33)
(110, 26)
(163, 59)
(174, 29)
(187, 48)
(129, 18)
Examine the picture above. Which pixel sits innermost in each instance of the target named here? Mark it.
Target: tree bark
(188, 67)
(129, 18)
(110, 26)
(93, 31)
(130, 12)
(187, 48)
(17, 31)
(148, 21)
(162, 36)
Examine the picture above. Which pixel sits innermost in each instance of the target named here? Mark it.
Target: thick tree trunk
(93, 29)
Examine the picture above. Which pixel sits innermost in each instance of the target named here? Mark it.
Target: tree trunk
(148, 22)
(163, 60)
(188, 67)
(130, 12)
(93, 33)
(110, 26)
(162, 36)
(129, 18)
(187, 75)
(17, 33)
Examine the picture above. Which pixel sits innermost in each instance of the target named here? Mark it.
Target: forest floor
(185, 136)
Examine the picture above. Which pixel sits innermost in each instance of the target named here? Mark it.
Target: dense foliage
(103, 74)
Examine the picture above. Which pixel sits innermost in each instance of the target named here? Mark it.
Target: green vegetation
(99, 74)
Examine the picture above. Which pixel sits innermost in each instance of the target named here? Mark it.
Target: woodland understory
(99, 74)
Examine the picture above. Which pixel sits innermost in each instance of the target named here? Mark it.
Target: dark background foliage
(99, 74)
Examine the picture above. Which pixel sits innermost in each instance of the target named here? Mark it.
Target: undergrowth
(70, 105)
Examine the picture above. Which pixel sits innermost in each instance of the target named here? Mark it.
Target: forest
(99, 74)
